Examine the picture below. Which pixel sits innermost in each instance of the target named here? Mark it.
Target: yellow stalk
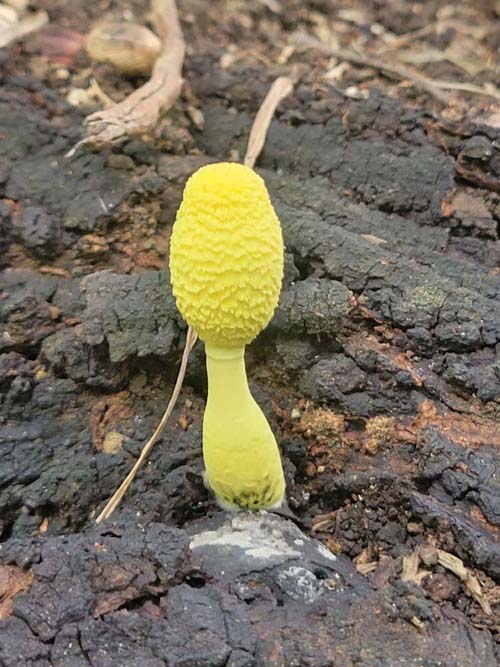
(241, 457)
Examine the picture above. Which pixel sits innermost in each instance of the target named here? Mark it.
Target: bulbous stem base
(242, 460)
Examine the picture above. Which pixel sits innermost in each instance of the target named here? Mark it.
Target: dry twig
(115, 499)
(139, 112)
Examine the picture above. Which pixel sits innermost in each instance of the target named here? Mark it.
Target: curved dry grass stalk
(115, 499)
(282, 87)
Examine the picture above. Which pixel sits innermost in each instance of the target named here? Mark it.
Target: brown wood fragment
(13, 580)
(411, 571)
(420, 625)
(470, 581)
(140, 111)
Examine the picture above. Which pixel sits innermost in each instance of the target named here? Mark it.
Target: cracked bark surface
(379, 372)
(248, 590)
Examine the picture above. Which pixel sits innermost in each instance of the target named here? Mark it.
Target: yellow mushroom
(226, 266)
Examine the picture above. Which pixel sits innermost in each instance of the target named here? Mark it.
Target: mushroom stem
(241, 456)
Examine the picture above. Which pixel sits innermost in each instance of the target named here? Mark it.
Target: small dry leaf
(325, 34)
(410, 566)
(467, 56)
(386, 569)
(491, 90)
(356, 93)
(81, 97)
(364, 561)
(92, 245)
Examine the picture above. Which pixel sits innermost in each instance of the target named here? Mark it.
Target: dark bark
(389, 325)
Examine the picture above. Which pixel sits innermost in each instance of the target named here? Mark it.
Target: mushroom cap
(226, 255)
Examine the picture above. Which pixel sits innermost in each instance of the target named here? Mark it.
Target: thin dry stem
(139, 112)
(282, 87)
(116, 498)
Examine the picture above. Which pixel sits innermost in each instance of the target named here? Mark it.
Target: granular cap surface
(226, 255)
